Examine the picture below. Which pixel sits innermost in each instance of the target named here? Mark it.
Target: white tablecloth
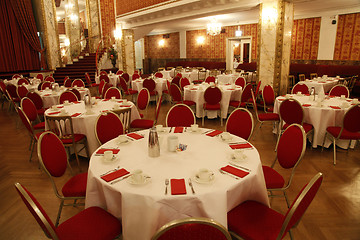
(113, 79)
(160, 85)
(85, 124)
(51, 97)
(325, 83)
(227, 78)
(320, 117)
(145, 208)
(196, 94)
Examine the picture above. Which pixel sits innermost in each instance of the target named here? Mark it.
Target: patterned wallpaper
(107, 17)
(171, 48)
(305, 38)
(347, 45)
(125, 6)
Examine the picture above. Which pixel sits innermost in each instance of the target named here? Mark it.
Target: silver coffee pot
(154, 145)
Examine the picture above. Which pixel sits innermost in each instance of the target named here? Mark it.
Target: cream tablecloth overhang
(321, 83)
(196, 93)
(145, 208)
(227, 78)
(320, 117)
(51, 97)
(85, 123)
(160, 85)
(113, 79)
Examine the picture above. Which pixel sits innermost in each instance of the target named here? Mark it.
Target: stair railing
(105, 42)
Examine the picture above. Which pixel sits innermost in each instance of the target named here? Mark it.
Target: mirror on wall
(238, 51)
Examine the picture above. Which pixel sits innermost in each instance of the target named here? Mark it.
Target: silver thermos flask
(154, 145)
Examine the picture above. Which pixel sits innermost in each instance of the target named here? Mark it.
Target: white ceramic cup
(121, 139)
(137, 176)
(63, 112)
(159, 128)
(66, 102)
(194, 127)
(204, 174)
(225, 136)
(108, 155)
(298, 93)
(238, 153)
(172, 143)
(342, 97)
(113, 99)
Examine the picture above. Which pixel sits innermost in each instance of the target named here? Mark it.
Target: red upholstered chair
(290, 150)
(349, 130)
(30, 110)
(104, 77)
(240, 81)
(253, 220)
(108, 126)
(290, 112)
(21, 91)
(176, 80)
(37, 100)
(240, 123)
(103, 72)
(49, 79)
(112, 92)
(119, 72)
(300, 87)
(69, 96)
(33, 136)
(126, 76)
(150, 85)
(93, 223)
(62, 126)
(264, 117)
(54, 161)
(257, 92)
(135, 76)
(40, 76)
(184, 82)
(268, 96)
(76, 92)
(67, 82)
(179, 75)
(89, 83)
(12, 90)
(45, 85)
(212, 98)
(245, 98)
(101, 87)
(166, 91)
(177, 96)
(339, 90)
(22, 81)
(125, 89)
(192, 229)
(180, 115)
(78, 83)
(105, 88)
(210, 79)
(159, 75)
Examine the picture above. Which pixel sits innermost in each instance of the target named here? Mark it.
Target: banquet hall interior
(266, 42)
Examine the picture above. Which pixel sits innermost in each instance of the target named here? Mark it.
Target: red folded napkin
(306, 105)
(75, 114)
(281, 99)
(193, 89)
(331, 96)
(307, 94)
(178, 186)
(53, 113)
(322, 82)
(214, 133)
(104, 100)
(135, 136)
(349, 100)
(46, 95)
(60, 106)
(241, 145)
(234, 171)
(114, 175)
(231, 89)
(335, 107)
(102, 150)
(76, 102)
(178, 129)
(119, 101)
(125, 106)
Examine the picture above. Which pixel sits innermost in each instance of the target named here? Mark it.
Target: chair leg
(334, 143)
(59, 212)
(290, 234)
(277, 141)
(322, 149)
(77, 158)
(287, 200)
(32, 150)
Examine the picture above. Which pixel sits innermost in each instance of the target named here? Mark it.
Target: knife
(191, 185)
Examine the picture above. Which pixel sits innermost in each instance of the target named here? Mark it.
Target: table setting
(178, 181)
(324, 83)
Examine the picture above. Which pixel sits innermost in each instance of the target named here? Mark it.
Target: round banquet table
(321, 84)
(85, 123)
(227, 78)
(51, 97)
(160, 85)
(196, 93)
(145, 208)
(320, 117)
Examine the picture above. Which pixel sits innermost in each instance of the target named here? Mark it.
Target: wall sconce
(161, 43)
(238, 32)
(118, 33)
(67, 42)
(200, 40)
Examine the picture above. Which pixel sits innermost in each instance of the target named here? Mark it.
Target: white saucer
(225, 140)
(113, 159)
(126, 141)
(145, 181)
(190, 130)
(198, 180)
(237, 160)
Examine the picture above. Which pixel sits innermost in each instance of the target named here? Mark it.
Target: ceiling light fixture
(238, 32)
(213, 28)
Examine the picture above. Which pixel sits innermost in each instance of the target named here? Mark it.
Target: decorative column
(93, 17)
(72, 27)
(127, 51)
(275, 26)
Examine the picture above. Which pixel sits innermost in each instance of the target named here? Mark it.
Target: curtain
(17, 54)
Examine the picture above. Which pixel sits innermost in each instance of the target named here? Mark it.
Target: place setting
(108, 154)
(194, 128)
(204, 176)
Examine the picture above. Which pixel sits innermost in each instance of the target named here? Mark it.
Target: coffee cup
(66, 102)
(225, 136)
(194, 127)
(298, 93)
(121, 139)
(159, 128)
(137, 176)
(355, 101)
(342, 97)
(113, 99)
(238, 153)
(108, 155)
(172, 143)
(204, 174)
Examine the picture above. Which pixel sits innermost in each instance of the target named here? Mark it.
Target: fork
(166, 185)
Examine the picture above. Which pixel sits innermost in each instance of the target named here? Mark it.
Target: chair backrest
(257, 89)
(158, 75)
(149, 84)
(301, 77)
(143, 99)
(176, 80)
(246, 94)
(175, 93)
(352, 119)
(21, 91)
(105, 88)
(300, 87)
(180, 115)
(103, 73)
(291, 146)
(2, 86)
(125, 76)
(112, 92)
(240, 81)
(87, 79)
(76, 92)
(78, 83)
(12, 90)
(104, 77)
(68, 95)
(49, 79)
(192, 229)
(108, 126)
(45, 85)
(184, 82)
(301, 204)
(21, 81)
(101, 86)
(37, 211)
(125, 117)
(62, 126)
(25, 121)
(135, 76)
(339, 90)
(29, 108)
(313, 75)
(179, 74)
(16, 76)
(268, 95)
(67, 82)
(240, 123)
(212, 95)
(119, 72)
(123, 84)
(36, 98)
(210, 79)
(40, 76)
(291, 111)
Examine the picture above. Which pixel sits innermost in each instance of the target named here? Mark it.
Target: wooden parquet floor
(334, 213)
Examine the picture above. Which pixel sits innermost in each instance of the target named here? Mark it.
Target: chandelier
(213, 28)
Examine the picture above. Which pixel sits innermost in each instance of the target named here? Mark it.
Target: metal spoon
(166, 185)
